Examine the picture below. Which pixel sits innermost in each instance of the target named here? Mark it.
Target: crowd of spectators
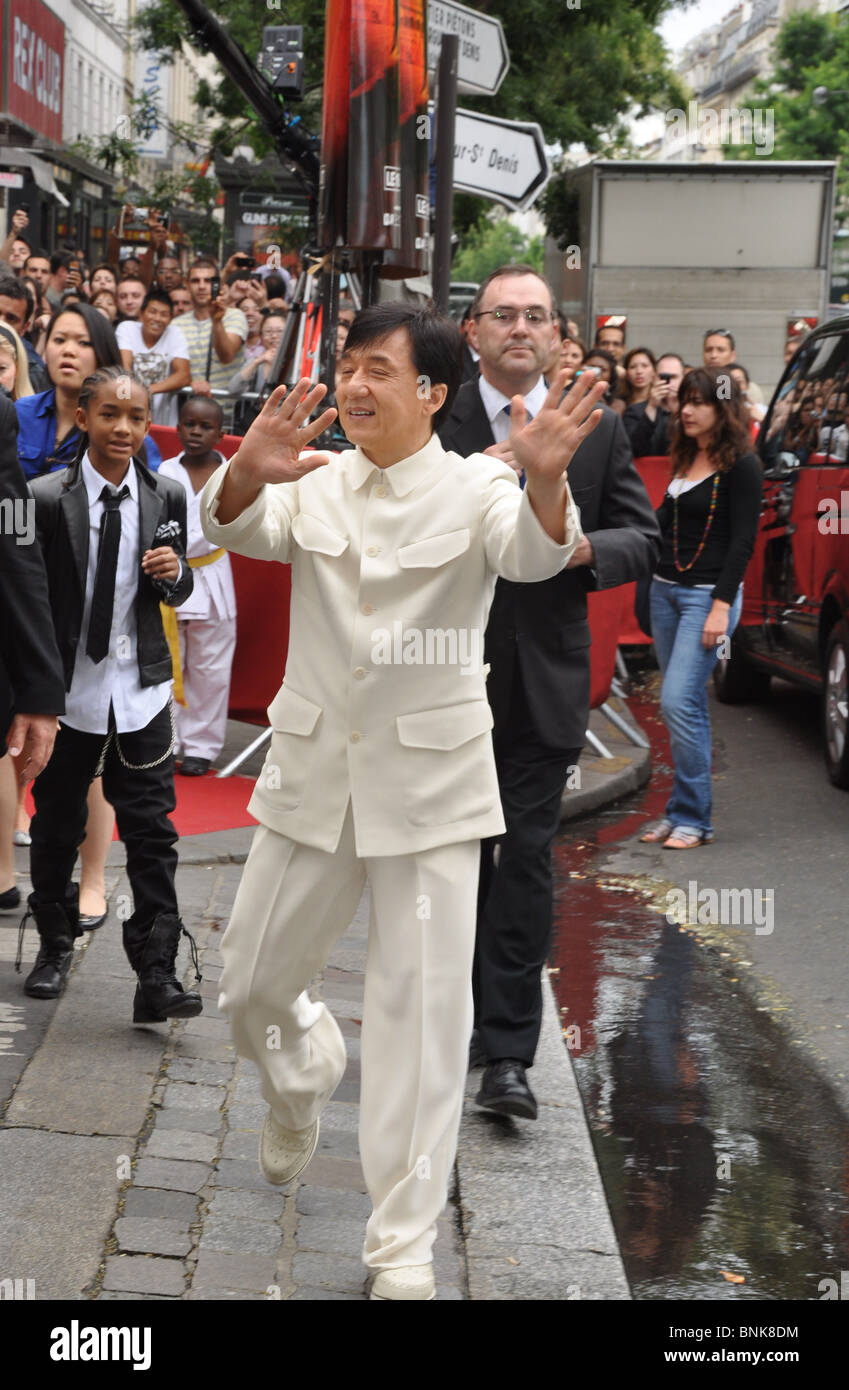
(200, 328)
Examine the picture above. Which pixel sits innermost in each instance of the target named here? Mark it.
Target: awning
(41, 172)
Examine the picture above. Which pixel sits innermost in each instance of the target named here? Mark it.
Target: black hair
(617, 328)
(158, 296)
(59, 259)
(435, 342)
(205, 400)
(738, 367)
(514, 269)
(711, 386)
(88, 391)
(100, 331)
(676, 355)
(19, 236)
(132, 276)
(39, 255)
(275, 286)
(14, 288)
(719, 333)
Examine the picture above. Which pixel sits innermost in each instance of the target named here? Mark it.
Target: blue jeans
(677, 618)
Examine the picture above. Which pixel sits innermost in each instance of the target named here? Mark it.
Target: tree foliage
(491, 243)
(811, 50)
(576, 69)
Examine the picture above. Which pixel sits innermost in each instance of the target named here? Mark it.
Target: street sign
(482, 59)
(503, 160)
(11, 180)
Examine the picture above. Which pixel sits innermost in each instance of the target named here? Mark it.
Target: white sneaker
(284, 1153)
(406, 1283)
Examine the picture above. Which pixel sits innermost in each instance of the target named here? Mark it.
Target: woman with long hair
(79, 341)
(708, 521)
(640, 370)
(603, 363)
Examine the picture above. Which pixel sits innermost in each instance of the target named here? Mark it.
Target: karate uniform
(206, 628)
(381, 768)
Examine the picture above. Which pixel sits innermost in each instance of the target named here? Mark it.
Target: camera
(215, 287)
(244, 262)
(665, 376)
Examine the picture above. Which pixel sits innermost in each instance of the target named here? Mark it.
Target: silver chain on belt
(137, 767)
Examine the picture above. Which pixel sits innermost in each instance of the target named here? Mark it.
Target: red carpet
(206, 803)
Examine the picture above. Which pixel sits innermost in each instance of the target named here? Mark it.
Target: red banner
(33, 59)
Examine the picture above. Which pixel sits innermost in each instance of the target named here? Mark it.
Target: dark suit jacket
(542, 628)
(62, 519)
(30, 669)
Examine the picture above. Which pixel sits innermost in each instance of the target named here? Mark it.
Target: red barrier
(654, 472)
(607, 610)
(263, 591)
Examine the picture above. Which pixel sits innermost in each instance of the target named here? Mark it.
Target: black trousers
(515, 893)
(143, 799)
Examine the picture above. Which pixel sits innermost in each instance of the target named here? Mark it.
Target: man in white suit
(381, 765)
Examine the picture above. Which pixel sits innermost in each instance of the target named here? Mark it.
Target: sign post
(482, 57)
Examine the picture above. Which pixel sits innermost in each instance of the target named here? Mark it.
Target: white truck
(680, 248)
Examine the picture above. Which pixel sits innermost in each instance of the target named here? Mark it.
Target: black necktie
(100, 622)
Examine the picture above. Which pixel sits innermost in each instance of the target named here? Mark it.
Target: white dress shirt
(494, 402)
(214, 594)
(115, 680)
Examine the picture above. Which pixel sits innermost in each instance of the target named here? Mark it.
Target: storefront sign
(33, 66)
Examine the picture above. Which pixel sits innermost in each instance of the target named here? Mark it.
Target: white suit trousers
(293, 904)
(206, 656)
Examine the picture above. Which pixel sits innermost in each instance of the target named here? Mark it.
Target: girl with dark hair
(92, 525)
(604, 364)
(79, 340)
(708, 521)
(640, 368)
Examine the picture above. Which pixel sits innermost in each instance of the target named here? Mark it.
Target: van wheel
(736, 681)
(835, 705)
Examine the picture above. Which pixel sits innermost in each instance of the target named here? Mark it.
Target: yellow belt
(169, 623)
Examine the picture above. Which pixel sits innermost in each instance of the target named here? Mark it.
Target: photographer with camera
(16, 248)
(137, 219)
(647, 422)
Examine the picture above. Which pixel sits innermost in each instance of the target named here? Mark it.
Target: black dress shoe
(194, 767)
(477, 1055)
(10, 899)
(92, 923)
(505, 1090)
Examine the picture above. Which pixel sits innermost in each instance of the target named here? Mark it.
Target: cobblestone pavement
(193, 1217)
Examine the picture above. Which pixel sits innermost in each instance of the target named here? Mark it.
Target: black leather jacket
(62, 527)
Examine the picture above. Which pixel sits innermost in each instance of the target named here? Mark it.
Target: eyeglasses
(535, 315)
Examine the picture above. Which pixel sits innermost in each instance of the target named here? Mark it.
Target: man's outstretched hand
(270, 451)
(544, 448)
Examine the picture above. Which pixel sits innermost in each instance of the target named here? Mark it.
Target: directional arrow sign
(482, 60)
(504, 160)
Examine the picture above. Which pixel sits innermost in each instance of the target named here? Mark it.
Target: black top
(731, 537)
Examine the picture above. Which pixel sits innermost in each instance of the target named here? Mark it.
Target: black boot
(57, 925)
(160, 995)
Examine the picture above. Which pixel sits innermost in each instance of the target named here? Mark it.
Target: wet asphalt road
(713, 1059)
(780, 826)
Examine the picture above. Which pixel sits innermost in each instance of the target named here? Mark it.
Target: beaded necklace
(682, 569)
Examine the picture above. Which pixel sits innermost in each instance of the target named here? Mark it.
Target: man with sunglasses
(537, 644)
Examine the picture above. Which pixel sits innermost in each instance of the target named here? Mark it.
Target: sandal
(688, 838)
(661, 830)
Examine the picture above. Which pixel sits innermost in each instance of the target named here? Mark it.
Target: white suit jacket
(384, 698)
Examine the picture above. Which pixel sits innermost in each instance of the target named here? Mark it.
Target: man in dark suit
(31, 685)
(537, 643)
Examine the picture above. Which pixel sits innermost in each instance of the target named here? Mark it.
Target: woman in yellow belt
(206, 626)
